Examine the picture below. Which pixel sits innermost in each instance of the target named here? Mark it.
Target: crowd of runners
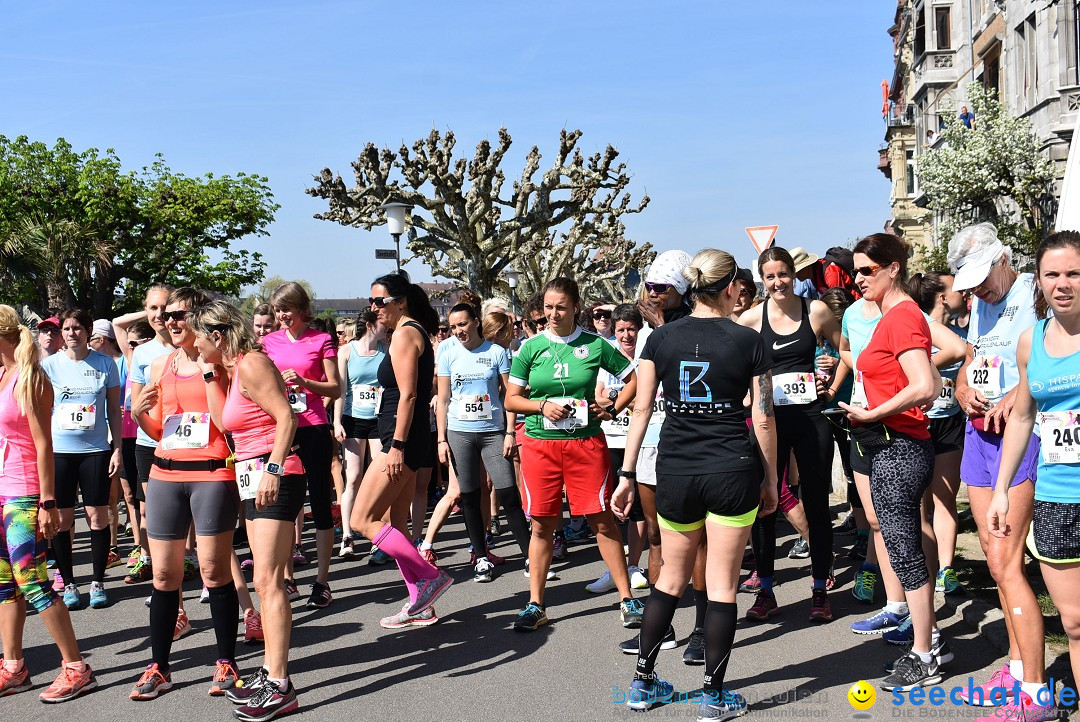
(681, 424)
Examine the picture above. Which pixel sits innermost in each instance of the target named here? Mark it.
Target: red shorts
(584, 465)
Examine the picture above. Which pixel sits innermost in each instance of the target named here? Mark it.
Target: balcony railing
(901, 117)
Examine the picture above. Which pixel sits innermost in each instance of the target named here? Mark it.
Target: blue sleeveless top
(1054, 383)
(363, 371)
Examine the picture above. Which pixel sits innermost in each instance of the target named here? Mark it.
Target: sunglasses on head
(657, 287)
(600, 315)
(381, 301)
(867, 271)
(174, 316)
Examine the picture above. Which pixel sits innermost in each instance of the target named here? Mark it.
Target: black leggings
(899, 475)
(807, 433)
(315, 452)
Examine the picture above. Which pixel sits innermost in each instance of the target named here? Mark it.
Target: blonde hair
(225, 318)
(292, 295)
(348, 325)
(707, 267)
(495, 324)
(27, 357)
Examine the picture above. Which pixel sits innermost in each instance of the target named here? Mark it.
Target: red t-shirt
(304, 356)
(901, 329)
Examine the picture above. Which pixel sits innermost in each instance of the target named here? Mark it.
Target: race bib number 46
(1060, 432)
(248, 477)
(794, 388)
(579, 414)
(77, 417)
(186, 431)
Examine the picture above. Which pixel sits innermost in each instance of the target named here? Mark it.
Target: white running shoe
(602, 585)
(638, 580)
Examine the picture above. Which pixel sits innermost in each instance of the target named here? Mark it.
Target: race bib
(186, 431)
(248, 477)
(794, 388)
(297, 399)
(617, 426)
(474, 408)
(985, 374)
(947, 398)
(76, 417)
(858, 392)
(579, 414)
(367, 397)
(1060, 432)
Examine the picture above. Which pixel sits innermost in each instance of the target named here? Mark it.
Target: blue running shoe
(530, 618)
(644, 693)
(729, 706)
(378, 557)
(902, 635)
(631, 612)
(883, 621)
(72, 600)
(577, 536)
(98, 598)
(863, 589)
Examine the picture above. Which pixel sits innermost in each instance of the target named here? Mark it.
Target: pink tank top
(129, 428)
(18, 452)
(253, 430)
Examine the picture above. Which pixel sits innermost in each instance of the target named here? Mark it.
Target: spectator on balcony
(931, 137)
(966, 116)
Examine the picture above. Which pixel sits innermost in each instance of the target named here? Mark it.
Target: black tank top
(425, 370)
(793, 352)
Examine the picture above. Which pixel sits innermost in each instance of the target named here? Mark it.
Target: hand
(147, 400)
(858, 413)
(116, 463)
(339, 433)
(204, 366)
(622, 499)
(972, 402)
(48, 522)
(822, 385)
(652, 315)
(769, 498)
(996, 513)
(444, 452)
(600, 413)
(998, 414)
(826, 363)
(509, 445)
(267, 493)
(394, 464)
(554, 412)
(289, 376)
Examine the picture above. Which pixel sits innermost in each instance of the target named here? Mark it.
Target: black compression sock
(720, 624)
(99, 552)
(474, 522)
(515, 517)
(223, 608)
(164, 606)
(701, 603)
(61, 545)
(659, 611)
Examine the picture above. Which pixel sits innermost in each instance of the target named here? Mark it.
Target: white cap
(972, 253)
(103, 327)
(668, 268)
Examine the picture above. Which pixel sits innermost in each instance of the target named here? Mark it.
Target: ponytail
(27, 358)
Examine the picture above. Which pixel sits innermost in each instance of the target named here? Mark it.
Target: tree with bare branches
(565, 220)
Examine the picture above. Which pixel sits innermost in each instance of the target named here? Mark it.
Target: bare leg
(652, 527)
(418, 503)
(944, 487)
(271, 545)
(1062, 581)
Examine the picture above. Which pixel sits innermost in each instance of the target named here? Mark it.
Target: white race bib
(794, 388)
(186, 431)
(297, 399)
(619, 425)
(1060, 433)
(76, 417)
(985, 374)
(249, 475)
(858, 392)
(474, 408)
(947, 398)
(579, 414)
(367, 397)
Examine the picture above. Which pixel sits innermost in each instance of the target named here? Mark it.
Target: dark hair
(416, 299)
(566, 286)
(1053, 242)
(534, 304)
(885, 249)
(263, 309)
(629, 313)
(837, 299)
(190, 297)
(472, 298)
(366, 316)
(81, 317)
(925, 287)
(142, 329)
(320, 324)
(776, 253)
(463, 308)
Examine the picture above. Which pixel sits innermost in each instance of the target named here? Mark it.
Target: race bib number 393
(794, 388)
(1060, 432)
(186, 431)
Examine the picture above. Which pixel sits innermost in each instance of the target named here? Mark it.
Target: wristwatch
(47, 504)
(631, 475)
(611, 410)
(209, 375)
(395, 444)
(272, 468)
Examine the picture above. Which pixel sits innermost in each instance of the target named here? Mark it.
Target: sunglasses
(539, 323)
(381, 301)
(340, 332)
(135, 343)
(517, 325)
(600, 315)
(867, 271)
(49, 330)
(657, 287)
(444, 329)
(174, 316)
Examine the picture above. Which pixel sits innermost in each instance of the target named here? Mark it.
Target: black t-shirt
(706, 366)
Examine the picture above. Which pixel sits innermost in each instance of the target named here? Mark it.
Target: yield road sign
(762, 236)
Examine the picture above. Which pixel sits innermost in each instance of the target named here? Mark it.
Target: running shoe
(729, 706)
(378, 557)
(602, 585)
(820, 611)
(948, 582)
(268, 702)
(346, 551)
(134, 556)
(646, 691)
(558, 550)
(320, 596)
(800, 550)
(69, 684)
(58, 583)
(292, 590)
(14, 682)
(530, 618)
(495, 529)
(638, 580)
(883, 621)
(298, 556)
(911, 672)
(189, 569)
(403, 619)
(482, 570)
(863, 589)
(551, 576)
(152, 683)
(902, 635)
(247, 564)
(630, 612)
(763, 607)
(253, 631)
(428, 556)
(580, 535)
(695, 648)
(247, 688)
(139, 573)
(998, 690)
(632, 646)
(225, 677)
(752, 583)
(72, 598)
(113, 560)
(858, 549)
(204, 595)
(847, 527)
(1024, 709)
(491, 557)
(429, 590)
(940, 650)
(146, 602)
(183, 625)
(98, 598)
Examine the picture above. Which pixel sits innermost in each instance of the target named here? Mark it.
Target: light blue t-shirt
(79, 422)
(473, 374)
(1054, 382)
(945, 404)
(141, 360)
(362, 371)
(994, 330)
(858, 329)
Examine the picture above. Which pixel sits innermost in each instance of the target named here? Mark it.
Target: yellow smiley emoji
(861, 695)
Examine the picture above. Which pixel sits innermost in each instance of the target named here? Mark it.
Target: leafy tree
(567, 221)
(150, 226)
(994, 172)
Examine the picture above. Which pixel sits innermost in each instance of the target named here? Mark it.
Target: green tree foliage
(261, 293)
(115, 232)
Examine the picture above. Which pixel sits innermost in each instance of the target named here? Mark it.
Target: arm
(215, 394)
(951, 348)
(625, 397)
(404, 356)
(146, 406)
(112, 411)
(1014, 443)
(331, 388)
(762, 415)
(40, 419)
(646, 383)
(824, 323)
(752, 318)
(441, 408)
(516, 402)
(262, 382)
(343, 374)
(120, 325)
(510, 435)
(971, 401)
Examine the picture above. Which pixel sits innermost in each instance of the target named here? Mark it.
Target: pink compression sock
(412, 566)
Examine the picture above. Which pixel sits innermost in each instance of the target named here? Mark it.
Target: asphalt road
(471, 665)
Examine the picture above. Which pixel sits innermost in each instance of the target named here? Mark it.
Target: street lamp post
(512, 277)
(395, 223)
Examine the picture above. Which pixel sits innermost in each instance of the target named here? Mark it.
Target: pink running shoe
(1024, 710)
(983, 695)
(58, 583)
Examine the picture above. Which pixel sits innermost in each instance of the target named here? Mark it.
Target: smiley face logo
(861, 695)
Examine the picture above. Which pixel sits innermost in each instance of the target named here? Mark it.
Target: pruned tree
(565, 220)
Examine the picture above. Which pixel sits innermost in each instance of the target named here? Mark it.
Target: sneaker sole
(484, 579)
(762, 617)
(91, 685)
(599, 591)
(411, 623)
(164, 687)
(533, 628)
(28, 685)
(666, 644)
(928, 682)
(863, 599)
(287, 709)
(821, 618)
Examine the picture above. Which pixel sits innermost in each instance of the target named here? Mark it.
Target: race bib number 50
(248, 477)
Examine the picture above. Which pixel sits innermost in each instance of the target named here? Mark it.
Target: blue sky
(729, 114)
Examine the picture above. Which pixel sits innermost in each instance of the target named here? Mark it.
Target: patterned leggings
(899, 474)
(22, 554)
